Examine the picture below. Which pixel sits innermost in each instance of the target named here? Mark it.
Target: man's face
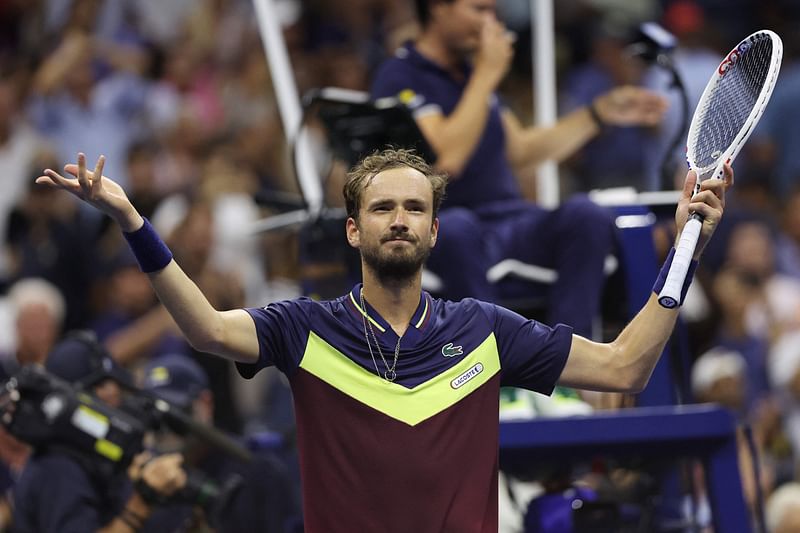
(109, 392)
(37, 330)
(460, 23)
(395, 231)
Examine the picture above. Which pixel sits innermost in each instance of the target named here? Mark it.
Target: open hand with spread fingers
(95, 189)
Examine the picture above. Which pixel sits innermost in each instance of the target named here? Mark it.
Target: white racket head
(732, 103)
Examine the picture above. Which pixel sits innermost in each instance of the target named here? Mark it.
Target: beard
(392, 266)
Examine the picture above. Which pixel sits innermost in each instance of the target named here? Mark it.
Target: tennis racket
(728, 111)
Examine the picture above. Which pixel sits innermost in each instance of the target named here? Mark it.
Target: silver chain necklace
(390, 374)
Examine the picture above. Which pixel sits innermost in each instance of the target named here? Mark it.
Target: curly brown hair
(360, 176)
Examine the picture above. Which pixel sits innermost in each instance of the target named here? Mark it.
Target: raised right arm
(229, 334)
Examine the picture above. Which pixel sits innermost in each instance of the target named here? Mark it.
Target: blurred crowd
(178, 96)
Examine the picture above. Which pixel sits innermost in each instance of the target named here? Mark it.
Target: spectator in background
(264, 503)
(67, 95)
(144, 186)
(783, 509)
(787, 245)
(162, 22)
(129, 321)
(21, 148)
(784, 373)
(755, 304)
(615, 157)
(720, 376)
(695, 58)
(224, 29)
(751, 254)
(247, 94)
(62, 491)
(47, 238)
(776, 139)
(39, 311)
(448, 78)
(189, 88)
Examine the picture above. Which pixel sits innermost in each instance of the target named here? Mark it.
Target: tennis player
(396, 393)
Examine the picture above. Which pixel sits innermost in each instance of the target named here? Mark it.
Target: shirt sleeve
(532, 354)
(282, 330)
(397, 80)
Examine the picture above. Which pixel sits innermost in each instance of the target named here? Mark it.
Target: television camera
(51, 414)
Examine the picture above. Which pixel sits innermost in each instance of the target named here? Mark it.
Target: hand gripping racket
(728, 111)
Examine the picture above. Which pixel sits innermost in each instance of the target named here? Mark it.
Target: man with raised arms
(396, 393)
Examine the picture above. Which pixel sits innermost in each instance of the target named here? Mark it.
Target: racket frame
(670, 294)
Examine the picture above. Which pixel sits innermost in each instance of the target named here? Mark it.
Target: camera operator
(63, 491)
(264, 500)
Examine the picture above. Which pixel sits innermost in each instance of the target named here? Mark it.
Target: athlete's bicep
(590, 366)
(241, 338)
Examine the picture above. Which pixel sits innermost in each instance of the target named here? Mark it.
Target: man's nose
(399, 220)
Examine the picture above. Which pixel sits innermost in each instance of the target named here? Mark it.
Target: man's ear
(353, 234)
(434, 231)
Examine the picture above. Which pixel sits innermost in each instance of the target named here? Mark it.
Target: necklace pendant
(390, 375)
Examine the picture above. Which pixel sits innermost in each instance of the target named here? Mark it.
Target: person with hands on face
(449, 79)
(396, 393)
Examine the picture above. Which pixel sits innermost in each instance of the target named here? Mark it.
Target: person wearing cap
(265, 500)
(63, 492)
(719, 376)
(783, 509)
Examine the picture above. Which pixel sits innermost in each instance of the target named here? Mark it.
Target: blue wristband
(150, 251)
(662, 276)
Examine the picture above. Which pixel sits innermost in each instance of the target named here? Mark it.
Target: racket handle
(670, 295)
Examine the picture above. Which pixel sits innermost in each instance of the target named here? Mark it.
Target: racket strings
(731, 101)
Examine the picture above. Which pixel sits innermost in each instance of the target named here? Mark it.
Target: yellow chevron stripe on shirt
(410, 406)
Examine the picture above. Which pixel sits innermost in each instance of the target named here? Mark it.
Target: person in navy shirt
(448, 78)
(261, 499)
(62, 490)
(396, 393)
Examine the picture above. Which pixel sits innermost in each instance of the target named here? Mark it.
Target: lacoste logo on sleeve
(448, 350)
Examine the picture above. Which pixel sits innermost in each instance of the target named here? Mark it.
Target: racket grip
(670, 295)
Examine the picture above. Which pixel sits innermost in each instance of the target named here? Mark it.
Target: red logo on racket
(729, 61)
(733, 57)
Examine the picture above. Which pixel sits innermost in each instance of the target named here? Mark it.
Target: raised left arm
(626, 363)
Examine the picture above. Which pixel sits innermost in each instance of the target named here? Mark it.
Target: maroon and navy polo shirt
(418, 454)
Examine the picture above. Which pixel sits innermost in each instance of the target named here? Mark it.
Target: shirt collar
(418, 320)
